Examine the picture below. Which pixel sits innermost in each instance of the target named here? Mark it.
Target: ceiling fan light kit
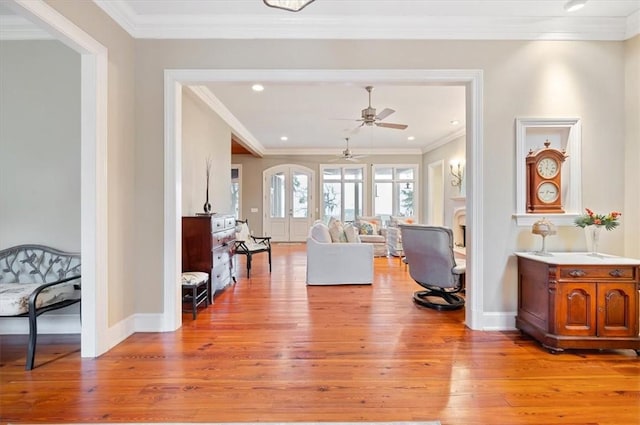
(370, 118)
(573, 5)
(290, 5)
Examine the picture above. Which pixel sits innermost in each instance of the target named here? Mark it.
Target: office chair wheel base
(438, 300)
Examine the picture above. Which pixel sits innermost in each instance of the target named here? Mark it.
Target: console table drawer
(598, 272)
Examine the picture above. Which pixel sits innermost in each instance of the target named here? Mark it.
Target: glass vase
(593, 239)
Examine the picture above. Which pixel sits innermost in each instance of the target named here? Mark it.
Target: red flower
(597, 221)
(589, 212)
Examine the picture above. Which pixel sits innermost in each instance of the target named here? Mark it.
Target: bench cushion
(14, 297)
(194, 278)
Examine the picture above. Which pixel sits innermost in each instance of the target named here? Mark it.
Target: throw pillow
(336, 230)
(368, 228)
(320, 233)
(352, 233)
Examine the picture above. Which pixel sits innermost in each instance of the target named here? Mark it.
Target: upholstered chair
(429, 254)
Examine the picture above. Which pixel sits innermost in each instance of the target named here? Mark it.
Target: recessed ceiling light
(573, 5)
(454, 122)
(284, 138)
(411, 138)
(257, 87)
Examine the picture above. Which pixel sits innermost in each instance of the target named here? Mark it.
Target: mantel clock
(544, 180)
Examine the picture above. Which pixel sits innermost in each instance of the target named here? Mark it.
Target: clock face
(547, 168)
(548, 192)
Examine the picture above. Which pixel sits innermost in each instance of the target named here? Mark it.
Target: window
(342, 191)
(236, 199)
(395, 190)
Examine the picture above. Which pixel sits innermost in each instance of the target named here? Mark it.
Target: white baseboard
(499, 321)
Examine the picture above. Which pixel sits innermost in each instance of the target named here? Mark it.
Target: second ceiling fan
(370, 118)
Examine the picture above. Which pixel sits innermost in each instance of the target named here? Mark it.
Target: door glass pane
(404, 173)
(405, 204)
(353, 173)
(383, 173)
(235, 199)
(383, 199)
(235, 192)
(300, 195)
(277, 195)
(352, 200)
(331, 174)
(331, 199)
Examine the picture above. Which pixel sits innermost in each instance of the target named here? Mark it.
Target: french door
(288, 202)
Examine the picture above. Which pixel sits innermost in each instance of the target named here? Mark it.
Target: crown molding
(444, 140)
(369, 27)
(241, 132)
(14, 28)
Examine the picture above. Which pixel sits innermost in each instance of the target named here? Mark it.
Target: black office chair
(248, 245)
(429, 254)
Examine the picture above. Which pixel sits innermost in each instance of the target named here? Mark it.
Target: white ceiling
(314, 117)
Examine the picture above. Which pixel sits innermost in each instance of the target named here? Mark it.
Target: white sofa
(337, 263)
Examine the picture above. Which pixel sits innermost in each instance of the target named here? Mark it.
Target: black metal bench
(35, 279)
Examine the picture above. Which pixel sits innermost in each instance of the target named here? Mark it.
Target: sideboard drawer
(598, 272)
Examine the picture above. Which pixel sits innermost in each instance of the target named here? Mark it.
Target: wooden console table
(574, 300)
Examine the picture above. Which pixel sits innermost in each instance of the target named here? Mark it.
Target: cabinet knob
(616, 273)
(577, 273)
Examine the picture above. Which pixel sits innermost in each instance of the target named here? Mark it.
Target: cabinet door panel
(617, 309)
(576, 309)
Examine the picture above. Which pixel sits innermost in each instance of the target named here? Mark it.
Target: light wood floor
(272, 349)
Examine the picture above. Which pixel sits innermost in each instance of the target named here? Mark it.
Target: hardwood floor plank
(272, 349)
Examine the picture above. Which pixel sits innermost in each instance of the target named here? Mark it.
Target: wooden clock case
(534, 180)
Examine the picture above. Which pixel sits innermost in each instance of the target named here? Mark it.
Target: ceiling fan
(370, 118)
(347, 155)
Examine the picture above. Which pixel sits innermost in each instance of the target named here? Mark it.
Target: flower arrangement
(609, 221)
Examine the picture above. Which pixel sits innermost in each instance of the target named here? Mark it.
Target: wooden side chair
(248, 245)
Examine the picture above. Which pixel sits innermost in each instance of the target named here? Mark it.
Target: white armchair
(331, 263)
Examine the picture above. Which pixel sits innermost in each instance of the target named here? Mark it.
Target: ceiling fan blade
(391, 125)
(384, 114)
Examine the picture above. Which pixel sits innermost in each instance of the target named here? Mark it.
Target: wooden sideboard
(574, 300)
(208, 246)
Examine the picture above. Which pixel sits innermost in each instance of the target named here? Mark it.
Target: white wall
(39, 144)
(204, 135)
(448, 152)
(631, 219)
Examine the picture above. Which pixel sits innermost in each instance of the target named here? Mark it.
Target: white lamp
(290, 5)
(573, 5)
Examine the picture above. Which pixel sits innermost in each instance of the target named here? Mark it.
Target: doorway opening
(472, 80)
